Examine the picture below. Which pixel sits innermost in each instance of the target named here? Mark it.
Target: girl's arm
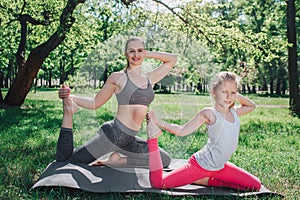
(246, 105)
(182, 130)
(102, 97)
(168, 59)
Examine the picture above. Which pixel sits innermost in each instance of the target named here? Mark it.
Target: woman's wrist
(149, 54)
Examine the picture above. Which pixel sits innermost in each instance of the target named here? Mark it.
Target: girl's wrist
(162, 124)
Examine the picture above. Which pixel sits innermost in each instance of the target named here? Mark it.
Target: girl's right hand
(151, 116)
(64, 91)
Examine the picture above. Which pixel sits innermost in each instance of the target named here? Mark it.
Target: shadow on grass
(27, 144)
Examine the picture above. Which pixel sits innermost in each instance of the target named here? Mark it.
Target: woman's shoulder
(118, 73)
(117, 76)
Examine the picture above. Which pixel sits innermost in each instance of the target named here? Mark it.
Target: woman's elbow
(95, 105)
(175, 57)
(253, 107)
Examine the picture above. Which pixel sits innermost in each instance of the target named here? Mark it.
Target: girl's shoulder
(209, 115)
(207, 110)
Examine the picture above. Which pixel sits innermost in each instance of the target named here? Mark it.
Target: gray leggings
(112, 136)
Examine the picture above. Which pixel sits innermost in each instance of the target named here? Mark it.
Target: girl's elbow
(181, 133)
(156, 183)
(253, 107)
(174, 59)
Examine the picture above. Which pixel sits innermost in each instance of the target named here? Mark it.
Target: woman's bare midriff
(132, 116)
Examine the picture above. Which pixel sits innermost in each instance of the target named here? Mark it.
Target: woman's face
(135, 53)
(225, 94)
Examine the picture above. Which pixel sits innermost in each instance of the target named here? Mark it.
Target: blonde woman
(134, 93)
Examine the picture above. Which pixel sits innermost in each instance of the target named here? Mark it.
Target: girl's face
(225, 94)
(135, 53)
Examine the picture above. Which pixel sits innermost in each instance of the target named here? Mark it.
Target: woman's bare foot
(153, 131)
(114, 160)
(69, 108)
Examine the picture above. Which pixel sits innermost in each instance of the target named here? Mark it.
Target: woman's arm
(182, 130)
(168, 59)
(246, 105)
(101, 98)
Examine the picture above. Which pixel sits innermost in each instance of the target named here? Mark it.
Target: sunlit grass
(268, 145)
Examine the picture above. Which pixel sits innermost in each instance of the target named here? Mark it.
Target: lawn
(268, 145)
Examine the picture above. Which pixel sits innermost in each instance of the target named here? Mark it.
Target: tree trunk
(10, 75)
(271, 86)
(50, 78)
(29, 69)
(1, 97)
(35, 85)
(25, 77)
(253, 89)
(1, 79)
(292, 58)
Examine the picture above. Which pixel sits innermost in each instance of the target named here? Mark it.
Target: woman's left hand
(64, 91)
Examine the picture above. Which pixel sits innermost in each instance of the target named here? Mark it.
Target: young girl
(210, 165)
(134, 93)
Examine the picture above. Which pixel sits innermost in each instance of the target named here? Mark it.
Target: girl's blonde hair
(224, 76)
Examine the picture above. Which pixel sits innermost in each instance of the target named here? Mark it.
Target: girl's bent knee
(257, 185)
(157, 185)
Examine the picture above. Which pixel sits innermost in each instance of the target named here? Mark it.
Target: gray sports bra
(133, 95)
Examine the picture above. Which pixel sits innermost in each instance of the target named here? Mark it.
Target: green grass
(268, 146)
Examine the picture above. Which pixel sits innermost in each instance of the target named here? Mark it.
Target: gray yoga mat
(102, 179)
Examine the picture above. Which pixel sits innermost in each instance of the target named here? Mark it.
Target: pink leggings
(230, 176)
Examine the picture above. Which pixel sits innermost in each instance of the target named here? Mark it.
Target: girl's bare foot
(114, 160)
(203, 181)
(153, 131)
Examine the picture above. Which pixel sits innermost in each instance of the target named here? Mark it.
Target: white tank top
(221, 144)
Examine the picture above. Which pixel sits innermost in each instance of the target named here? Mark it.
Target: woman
(210, 165)
(134, 93)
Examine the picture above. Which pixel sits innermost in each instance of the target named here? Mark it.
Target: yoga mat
(102, 179)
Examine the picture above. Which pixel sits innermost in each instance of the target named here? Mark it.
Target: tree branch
(184, 20)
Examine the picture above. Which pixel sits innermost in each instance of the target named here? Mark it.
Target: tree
(293, 58)
(28, 68)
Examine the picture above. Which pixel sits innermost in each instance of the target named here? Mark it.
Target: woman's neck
(134, 70)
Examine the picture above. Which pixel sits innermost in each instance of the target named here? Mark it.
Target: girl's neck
(221, 109)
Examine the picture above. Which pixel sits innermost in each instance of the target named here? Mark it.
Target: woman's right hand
(64, 91)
